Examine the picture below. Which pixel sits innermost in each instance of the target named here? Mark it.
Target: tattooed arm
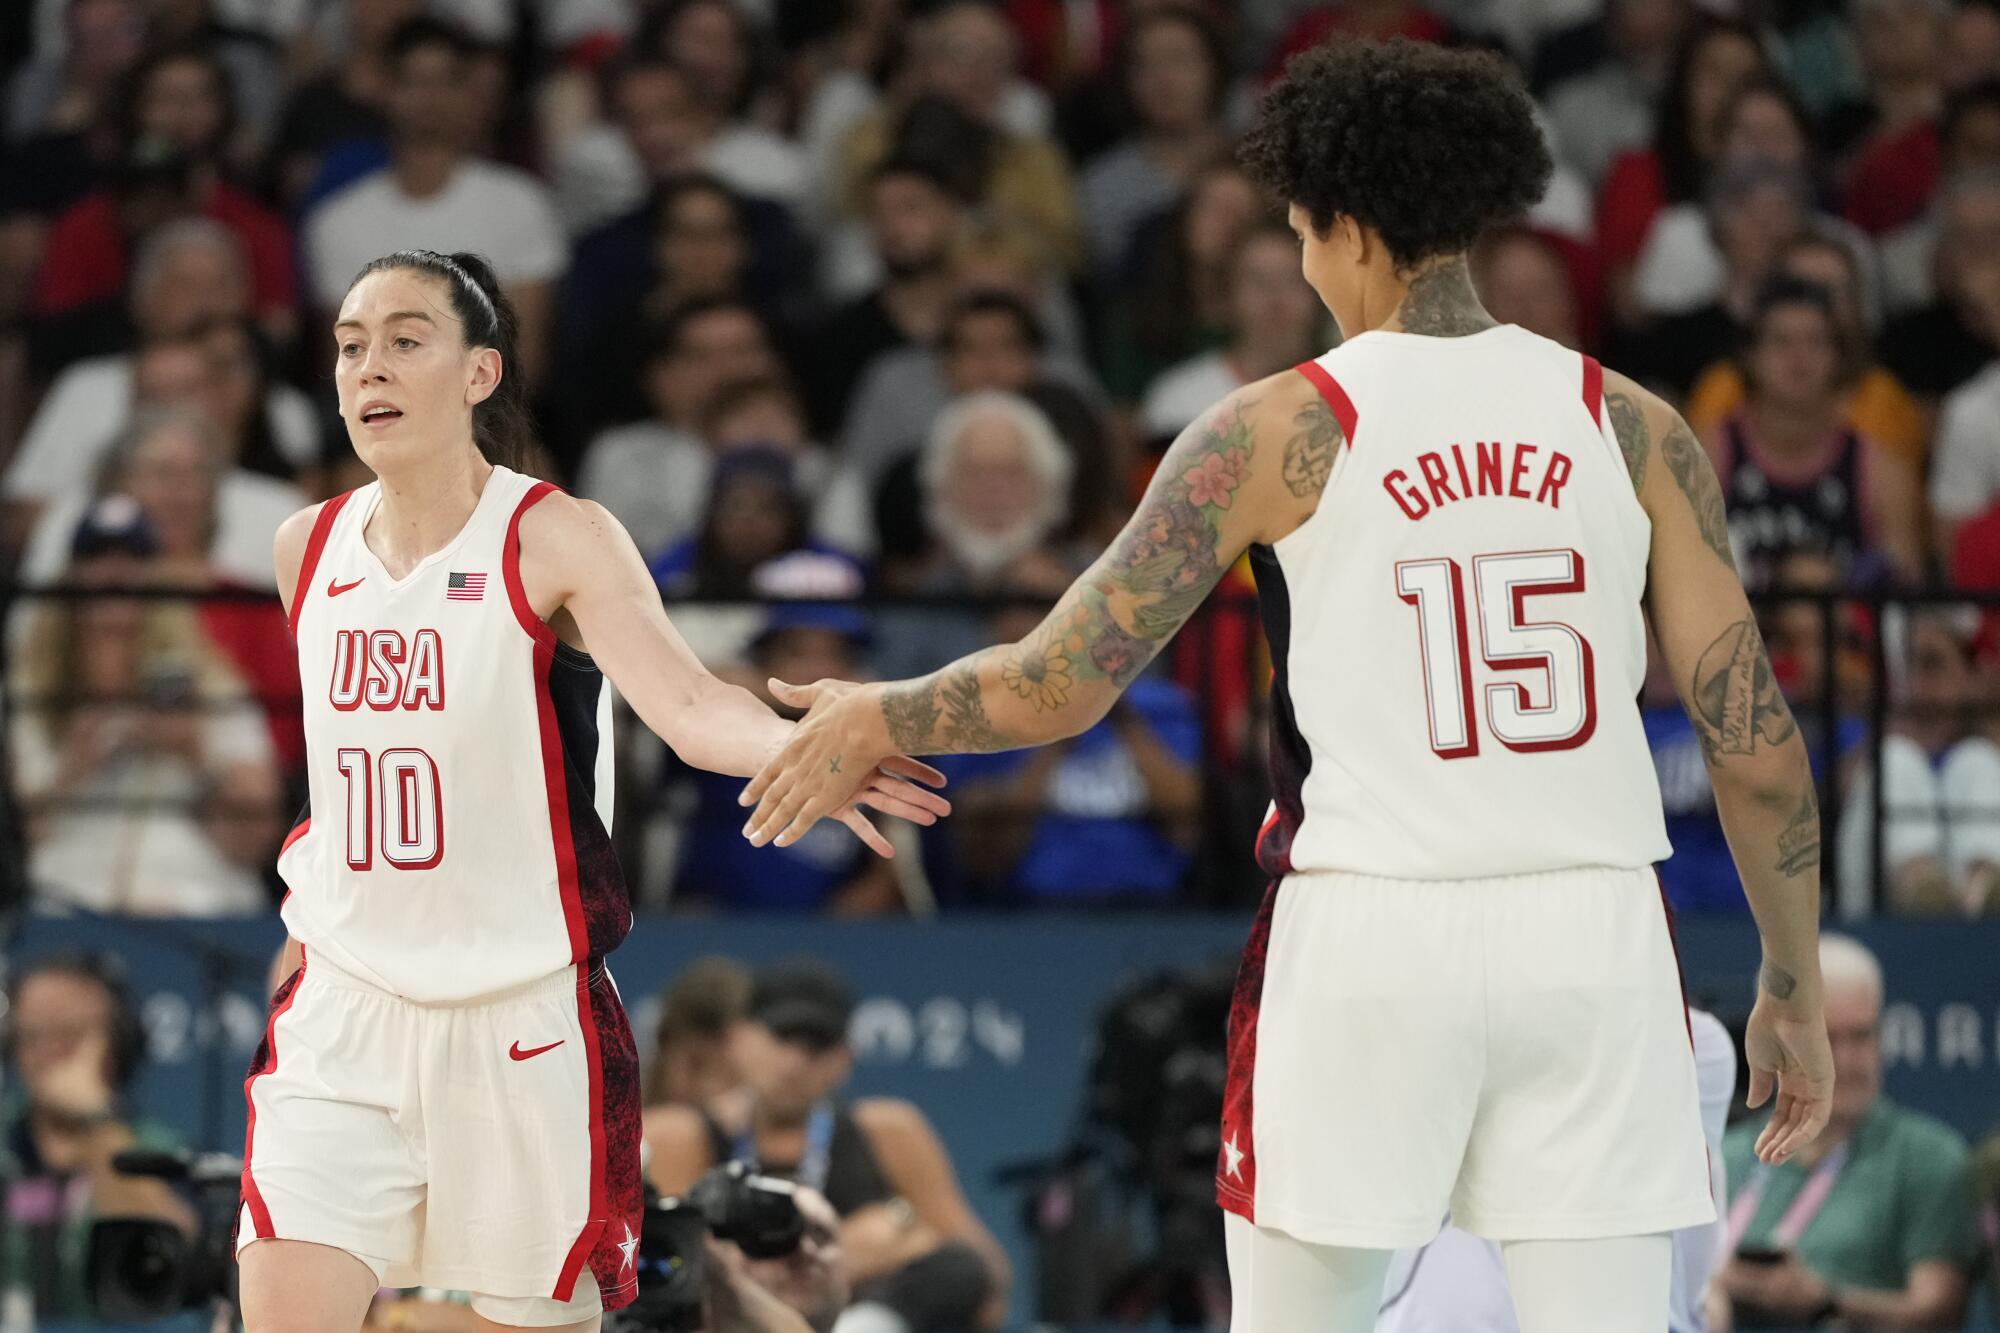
(1250, 470)
(1756, 759)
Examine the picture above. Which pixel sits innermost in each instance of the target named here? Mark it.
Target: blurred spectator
(256, 83)
(653, 473)
(346, 102)
(214, 526)
(1377, 19)
(827, 869)
(1174, 301)
(216, 371)
(724, 55)
(74, 1041)
(1755, 212)
(1937, 347)
(63, 93)
(1794, 476)
(961, 67)
(1712, 60)
(174, 117)
(661, 126)
(994, 481)
(1971, 53)
(1683, 266)
(877, 1159)
(1107, 817)
(1173, 72)
(700, 1007)
(814, 1279)
(1941, 792)
(1608, 109)
(756, 511)
(913, 218)
(990, 340)
(1522, 279)
(127, 722)
(1970, 147)
(1275, 319)
(1893, 129)
(1966, 479)
(1877, 405)
(435, 196)
(1873, 1219)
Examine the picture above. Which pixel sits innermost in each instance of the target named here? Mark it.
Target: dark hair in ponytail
(502, 425)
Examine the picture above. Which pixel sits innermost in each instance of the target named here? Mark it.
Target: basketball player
(1461, 992)
(1458, 1282)
(447, 1092)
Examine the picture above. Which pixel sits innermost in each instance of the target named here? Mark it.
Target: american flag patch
(465, 588)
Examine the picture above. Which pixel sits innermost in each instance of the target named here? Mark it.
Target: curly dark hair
(1423, 144)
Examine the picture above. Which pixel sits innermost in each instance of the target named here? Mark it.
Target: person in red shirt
(1376, 19)
(173, 120)
(1713, 61)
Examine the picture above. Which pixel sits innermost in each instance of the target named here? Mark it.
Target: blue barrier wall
(986, 1022)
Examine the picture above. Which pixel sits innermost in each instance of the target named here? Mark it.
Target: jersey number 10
(1509, 641)
(403, 785)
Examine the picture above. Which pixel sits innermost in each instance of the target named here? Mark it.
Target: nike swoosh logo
(334, 589)
(517, 1053)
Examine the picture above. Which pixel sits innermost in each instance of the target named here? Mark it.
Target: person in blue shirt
(1109, 816)
(799, 643)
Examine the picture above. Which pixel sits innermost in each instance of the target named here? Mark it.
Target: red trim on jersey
(1236, 1162)
(1336, 397)
(510, 568)
(554, 780)
(1593, 389)
(299, 830)
(1270, 822)
(309, 566)
(593, 1227)
(260, 1215)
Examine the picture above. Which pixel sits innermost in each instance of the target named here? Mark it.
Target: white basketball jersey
(456, 837)
(1456, 632)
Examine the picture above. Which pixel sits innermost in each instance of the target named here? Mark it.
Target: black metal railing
(1221, 659)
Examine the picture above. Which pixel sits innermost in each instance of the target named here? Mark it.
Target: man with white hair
(1458, 1282)
(994, 479)
(1872, 1223)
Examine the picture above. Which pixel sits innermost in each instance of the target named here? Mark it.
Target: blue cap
(114, 524)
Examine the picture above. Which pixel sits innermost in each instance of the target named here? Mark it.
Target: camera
(757, 1214)
(142, 1268)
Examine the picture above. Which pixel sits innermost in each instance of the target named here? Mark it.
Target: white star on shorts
(629, 1246)
(1234, 1154)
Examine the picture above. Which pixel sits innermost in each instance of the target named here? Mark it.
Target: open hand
(1788, 1053)
(833, 763)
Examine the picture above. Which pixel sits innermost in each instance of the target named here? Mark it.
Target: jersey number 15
(1509, 641)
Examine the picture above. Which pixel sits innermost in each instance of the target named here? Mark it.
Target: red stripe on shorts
(586, 1240)
(265, 1062)
(1236, 1164)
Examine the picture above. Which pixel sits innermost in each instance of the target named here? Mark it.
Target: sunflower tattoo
(1041, 674)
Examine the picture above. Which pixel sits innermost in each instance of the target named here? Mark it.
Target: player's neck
(1438, 302)
(424, 506)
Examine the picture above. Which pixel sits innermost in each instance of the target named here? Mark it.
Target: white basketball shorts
(489, 1147)
(1513, 1050)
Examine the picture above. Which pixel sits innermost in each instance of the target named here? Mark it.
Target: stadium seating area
(762, 247)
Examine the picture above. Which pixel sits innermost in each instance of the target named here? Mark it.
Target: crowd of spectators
(829, 298)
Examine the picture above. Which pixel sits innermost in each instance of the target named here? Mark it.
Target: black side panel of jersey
(1290, 757)
(575, 685)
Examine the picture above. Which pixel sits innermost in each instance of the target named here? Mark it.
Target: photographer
(877, 1160)
(72, 1038)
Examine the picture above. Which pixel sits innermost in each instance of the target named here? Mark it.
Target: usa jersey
(1456, 632)
(456, 836)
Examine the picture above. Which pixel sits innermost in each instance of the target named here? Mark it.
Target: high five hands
(836, 759)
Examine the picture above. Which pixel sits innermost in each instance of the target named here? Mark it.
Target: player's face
(1330, 268)
(405, 378)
